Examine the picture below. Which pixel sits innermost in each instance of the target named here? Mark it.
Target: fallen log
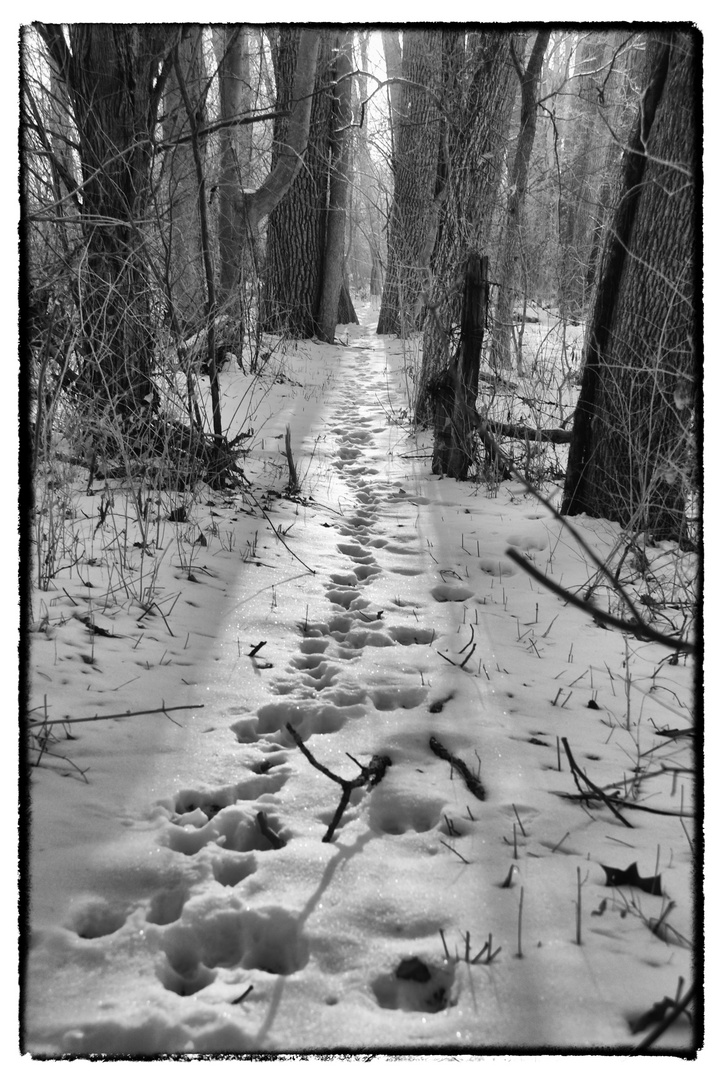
(519, 431)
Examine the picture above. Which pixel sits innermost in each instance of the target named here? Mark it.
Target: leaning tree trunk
(478, 92)
(631, 434)
(415, 127)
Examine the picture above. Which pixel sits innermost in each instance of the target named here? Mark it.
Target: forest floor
(184, 895)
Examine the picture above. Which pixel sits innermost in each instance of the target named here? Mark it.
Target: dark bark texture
(631, 447)
(456, 418)
(415, 128)
(477, 89)
(297, 227)
(112, 76)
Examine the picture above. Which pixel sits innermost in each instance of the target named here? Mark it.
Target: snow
(182, 898)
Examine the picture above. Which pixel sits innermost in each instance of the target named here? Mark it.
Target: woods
(361, 382)
(188, 190)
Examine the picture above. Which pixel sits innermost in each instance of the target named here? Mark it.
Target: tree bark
(258, 204)
(339, 181)
(512, 242)
(115, 75)
(477, 92)
(232, 55)
(415, 128)
(297, 227)
(456, 418)
(184, 280)
(632, 430)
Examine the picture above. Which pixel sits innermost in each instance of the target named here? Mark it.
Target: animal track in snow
(185, 979)
(208, 803)
(233, 828)
(233, 868)
(94, 917)
(445, 593)
(529, 541)
(222, 934)
(387, 698)
(348, 578)
(342, 597)
(416, 986)
(394, 811)
(498, 567)
(307, 717)
(411, 635)
(166, 906)
(362, 572)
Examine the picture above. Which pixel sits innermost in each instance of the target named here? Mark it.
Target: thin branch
(370, 776)
(112, 716)
(640, 629)
(577, 771)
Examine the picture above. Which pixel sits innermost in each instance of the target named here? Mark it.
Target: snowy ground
(183, 900)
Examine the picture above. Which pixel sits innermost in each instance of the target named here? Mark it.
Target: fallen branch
(469, 778)
(520, 431)
(577, 772)
(640, 629)
(586, 796)
(112, 716)
(370, 776)
(636, 626)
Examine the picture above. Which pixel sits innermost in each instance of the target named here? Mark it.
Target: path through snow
(203, 927)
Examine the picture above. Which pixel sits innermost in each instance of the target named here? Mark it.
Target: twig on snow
(370, 776)
(577, 772)
(113, 716)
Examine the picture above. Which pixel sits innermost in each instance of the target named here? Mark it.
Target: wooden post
(455, 391)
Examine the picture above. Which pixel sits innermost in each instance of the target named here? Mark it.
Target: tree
(415, 144)
(114, 76)
(231, 44)
(340, 162)
(477, 87)
(183, 237)
(304, 281)
(632, 425)
(513, 235)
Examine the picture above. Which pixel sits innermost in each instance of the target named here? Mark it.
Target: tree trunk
(631, 444)
(512, 242)
(296, 228)
(115, 76)
(346, 313)
(232, 54)
(290, 153)
(414, 164)
(184, 282)
(456, 419)
(339, 182)
(478, 93)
